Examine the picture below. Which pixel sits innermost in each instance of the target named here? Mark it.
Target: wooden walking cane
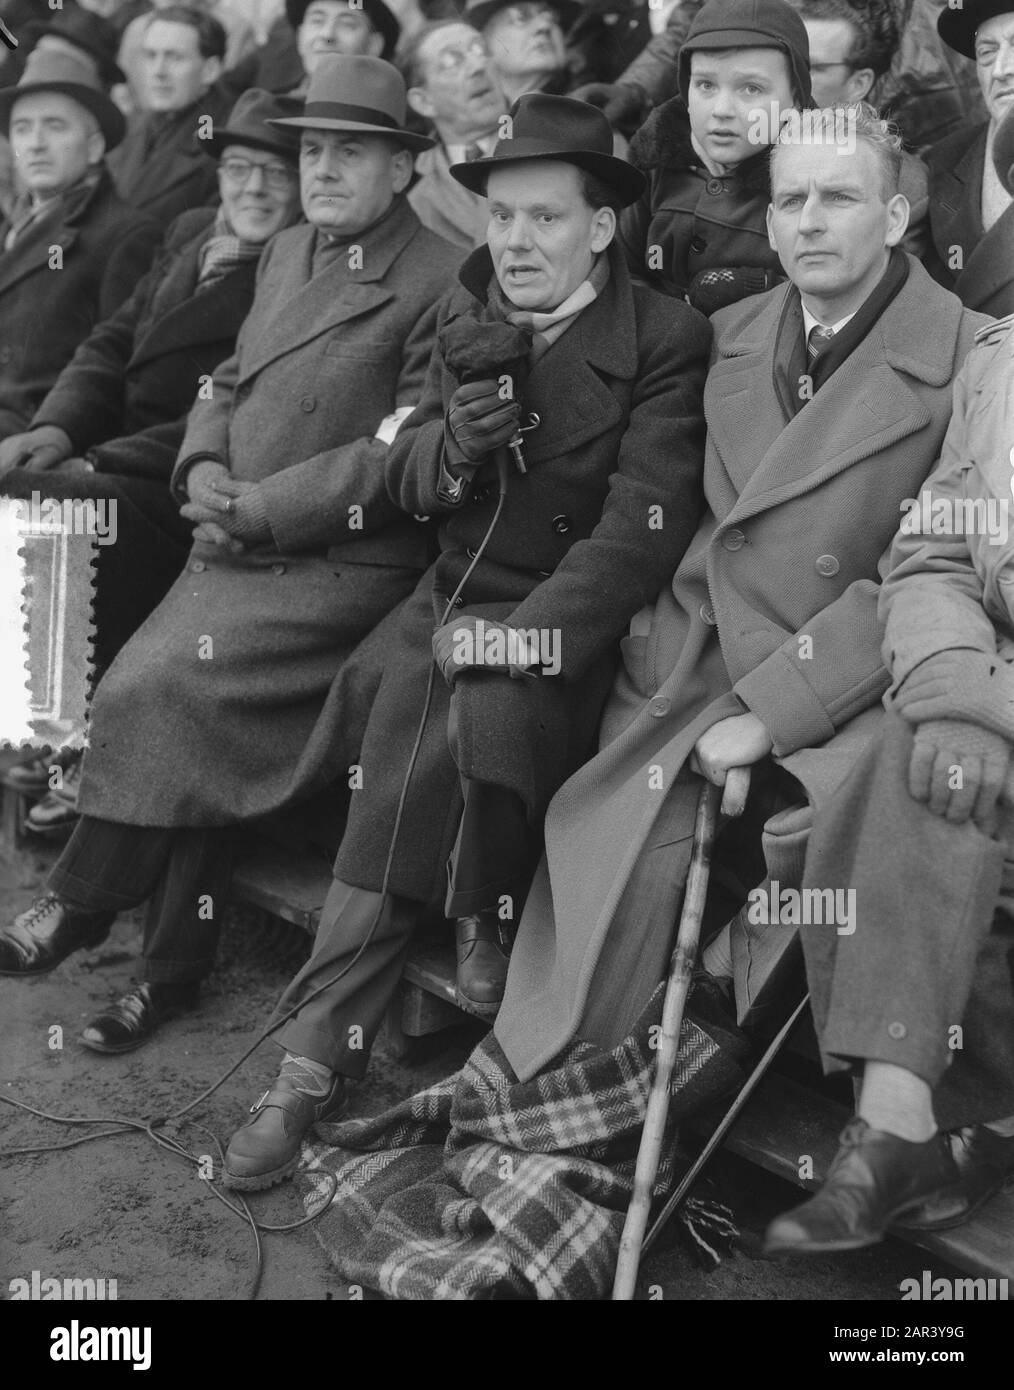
(732, 799)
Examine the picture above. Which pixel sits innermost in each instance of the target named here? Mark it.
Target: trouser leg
(184, 918)
(494, 855)
(109, 867)
(339, 1026)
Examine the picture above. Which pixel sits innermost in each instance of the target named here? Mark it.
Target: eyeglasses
(278, 177)
(451, 59)
(528, 12)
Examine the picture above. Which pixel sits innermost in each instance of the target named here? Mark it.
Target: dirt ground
(121, 1208)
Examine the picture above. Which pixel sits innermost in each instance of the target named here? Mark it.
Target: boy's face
(727, 90)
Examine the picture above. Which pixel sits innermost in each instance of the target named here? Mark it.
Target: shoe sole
(470, 1006)
(111, 1049)
(48, 969)
(256, 1182)
(835, 1247)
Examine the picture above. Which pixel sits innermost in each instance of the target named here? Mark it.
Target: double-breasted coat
(977, 265)
(576, 551)
(226, 704)
(63, 275)
(801, 515)
(124, 399)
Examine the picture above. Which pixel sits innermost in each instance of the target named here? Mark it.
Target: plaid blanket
(483, 1186)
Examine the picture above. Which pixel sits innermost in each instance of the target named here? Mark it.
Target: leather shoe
(265, 1150)
(134, 1017)
(39, 939)
(984, 1160)
(33, 776)
(483, 957)
(874, 1178)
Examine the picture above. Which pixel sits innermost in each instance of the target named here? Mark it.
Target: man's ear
(420, 102)
(898, 212)
(96, 147)
(403, 164)
(769, 218)
(603, 229)
(374, 45)
(860, 84)
(211, 71)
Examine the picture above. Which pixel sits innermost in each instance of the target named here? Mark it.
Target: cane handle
(737, 788)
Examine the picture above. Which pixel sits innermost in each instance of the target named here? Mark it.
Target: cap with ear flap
(750, 24)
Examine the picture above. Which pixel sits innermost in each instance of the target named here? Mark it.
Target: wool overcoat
(801, 517)
(162, 166)
(577, 550)
(978, 266)
(181, 738)
(62, 276)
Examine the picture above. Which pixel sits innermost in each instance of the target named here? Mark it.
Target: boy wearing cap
(112, 424)
(61, 123)
(612, 380)
(698, 231)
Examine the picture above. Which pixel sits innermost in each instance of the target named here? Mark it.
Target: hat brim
(109, 71)
(408, 138)
(221, 138)
(626, 182)
(107, 113)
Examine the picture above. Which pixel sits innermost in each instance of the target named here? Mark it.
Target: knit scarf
(547, 327)
(223, 252)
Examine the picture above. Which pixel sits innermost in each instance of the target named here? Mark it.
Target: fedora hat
(957, 27)
(558, 128)
(85, 30)
(383, 20)
(249, 124)
(356, 93)
(59, 72)
(480, 12)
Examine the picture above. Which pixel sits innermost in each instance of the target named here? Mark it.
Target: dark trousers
(185, 873)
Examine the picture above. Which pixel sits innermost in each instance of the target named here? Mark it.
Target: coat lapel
(31, 251)
(957, 199)
(196, 318)
(311, 305)
(990, 267)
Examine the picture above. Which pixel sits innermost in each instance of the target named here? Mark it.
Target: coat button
(827, 565)
(197, 567)
(896, 1031)
(708, 614)
(698, 244)
(734, 540)
(308, 403)
(659, 706)
(562, 524)
(715, 186)
(278, 569)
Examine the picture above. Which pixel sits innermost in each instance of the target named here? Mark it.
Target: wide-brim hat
(249, 124)
(1003, 151)
(355, 93)
(59, 72)
(957, 27)
(479, 13)
(385, 21)
(85, 30)
(562, 129)
(720, 24)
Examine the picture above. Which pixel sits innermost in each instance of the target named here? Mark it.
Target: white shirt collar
(456, 153)
(809, 321)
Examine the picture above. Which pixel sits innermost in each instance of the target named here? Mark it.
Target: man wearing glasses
(526, 42)
(971, 221)
(451, 83)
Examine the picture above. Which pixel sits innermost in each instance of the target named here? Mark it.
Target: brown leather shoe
(483, 957)
(38, 940)
(266, 1149)
(134, 1017)
(874, 1178)
(984, 1161)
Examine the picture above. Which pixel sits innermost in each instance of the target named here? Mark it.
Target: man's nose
(811, 217)
(520, 234)
(256, 181)
(328, 164)
(1004, 65)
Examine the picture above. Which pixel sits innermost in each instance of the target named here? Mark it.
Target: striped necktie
(817, 339)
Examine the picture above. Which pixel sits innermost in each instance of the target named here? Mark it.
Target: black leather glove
(711, 290)
(479, 421)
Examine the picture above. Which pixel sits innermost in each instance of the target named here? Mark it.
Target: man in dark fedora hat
(523, 629)
(60, 123)
(82, 35)
(111, 426)
(309, 30)
(527, 41)
(298, 554)
(971, 209)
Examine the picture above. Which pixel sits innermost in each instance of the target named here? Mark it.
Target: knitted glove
(711, 290)
(958, 770)
(466, 643)
(966, 685)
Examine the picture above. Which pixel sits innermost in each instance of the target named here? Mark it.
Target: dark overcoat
(801, 518)
(162, 166)
(575, 551)
(46, 311)
(983, 277)
(126, 393)
(191, 731)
